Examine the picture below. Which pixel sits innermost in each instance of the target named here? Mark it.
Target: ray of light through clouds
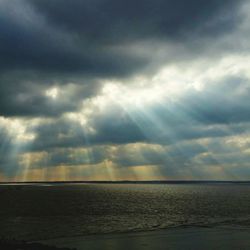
(124, 90)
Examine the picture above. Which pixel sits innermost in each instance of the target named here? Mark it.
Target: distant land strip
(133, 182)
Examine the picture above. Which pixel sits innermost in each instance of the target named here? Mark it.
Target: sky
(124, 90)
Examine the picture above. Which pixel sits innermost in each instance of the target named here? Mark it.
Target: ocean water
(34, 212)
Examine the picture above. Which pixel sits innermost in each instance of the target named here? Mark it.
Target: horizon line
(128, 181)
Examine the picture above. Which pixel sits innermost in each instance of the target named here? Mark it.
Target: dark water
(42, 212)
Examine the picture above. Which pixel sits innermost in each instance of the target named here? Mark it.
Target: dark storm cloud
(65, 133)
(62, 40)
(25, 95)
(112, 21)
(28, 41)
(88, 36)
(76, 46)
(32, 104)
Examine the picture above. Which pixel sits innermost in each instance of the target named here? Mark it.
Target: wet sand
(176, 239)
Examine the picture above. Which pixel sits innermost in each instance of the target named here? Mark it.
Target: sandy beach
(176, 239)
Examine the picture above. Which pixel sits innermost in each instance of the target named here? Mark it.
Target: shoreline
(170, 238)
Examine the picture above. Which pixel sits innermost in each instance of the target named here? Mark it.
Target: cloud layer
(110, 89)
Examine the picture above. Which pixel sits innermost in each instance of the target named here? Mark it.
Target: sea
(46, 211)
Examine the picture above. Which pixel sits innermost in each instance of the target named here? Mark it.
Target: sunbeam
(73, 96)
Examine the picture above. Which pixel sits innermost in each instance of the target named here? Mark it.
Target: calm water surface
(42, 212)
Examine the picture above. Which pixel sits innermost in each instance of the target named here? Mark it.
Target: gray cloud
(22, 97)
(222, 102)
(30, 42)
(75, 46)
(116, 21)
(64, 42)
